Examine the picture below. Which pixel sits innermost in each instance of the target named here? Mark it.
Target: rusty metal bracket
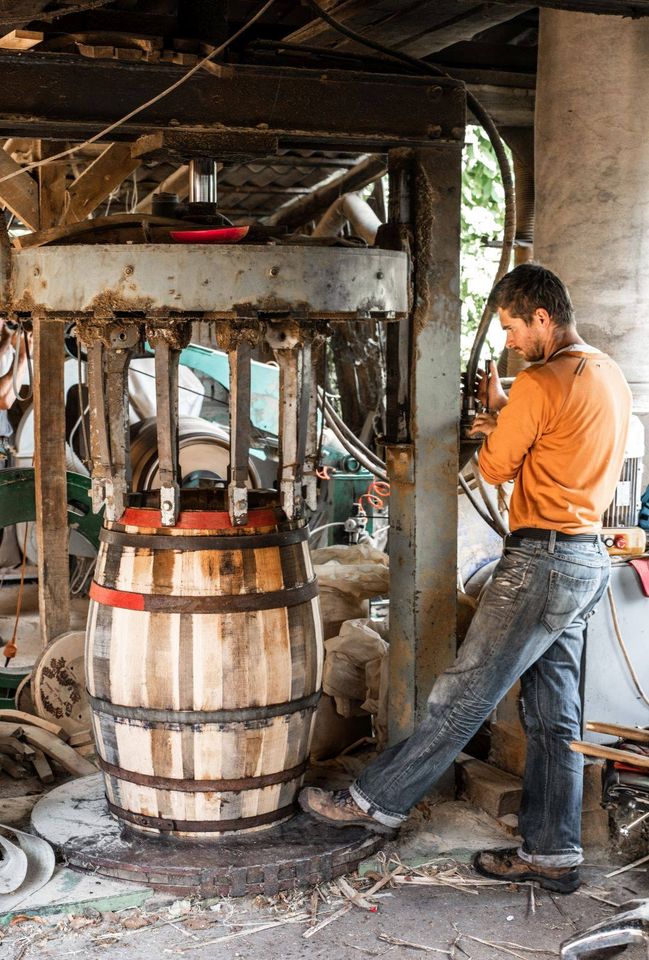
(167, 343)
(239, 357)
(109, 350)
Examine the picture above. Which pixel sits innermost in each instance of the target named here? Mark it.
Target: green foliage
(483, 207)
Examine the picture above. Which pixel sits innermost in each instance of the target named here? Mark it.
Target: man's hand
(494, 397)
(484, 423)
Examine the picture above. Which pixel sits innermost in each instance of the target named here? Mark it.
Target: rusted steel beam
(423, 456)
(244, 110)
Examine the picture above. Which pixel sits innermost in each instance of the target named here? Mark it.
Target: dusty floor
(429, 918)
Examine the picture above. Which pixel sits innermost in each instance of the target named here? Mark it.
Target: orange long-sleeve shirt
(561, 438)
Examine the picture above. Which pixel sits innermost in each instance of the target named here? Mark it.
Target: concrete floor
(429, 917)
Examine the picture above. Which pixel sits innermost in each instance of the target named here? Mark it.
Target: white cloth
(141, 391)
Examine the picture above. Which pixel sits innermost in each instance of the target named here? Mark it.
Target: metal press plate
(221, 281)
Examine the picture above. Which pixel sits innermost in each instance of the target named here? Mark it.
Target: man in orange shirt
(560, 436)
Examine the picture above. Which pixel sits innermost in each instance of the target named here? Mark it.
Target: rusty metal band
(231, 603)
(153, 717)
(189, 544)
(202, 786)
(200, 826)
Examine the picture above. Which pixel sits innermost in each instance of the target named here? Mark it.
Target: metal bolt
(379, 275)
(128, 270)
(167, 504)
(434, 130)
(457, 133)
(273, 271)
(37, 272)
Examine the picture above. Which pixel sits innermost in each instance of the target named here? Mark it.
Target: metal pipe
(202, 180)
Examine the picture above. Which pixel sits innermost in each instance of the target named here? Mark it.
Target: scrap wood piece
(21, 39)
(33, 721)
(629, 866)
(8, 730)
(354, 897)
(20, 193)
(41, 766)
(610, 753)
(59, 751)
(81, 738)
(15, 747)
(15, 770)
(325, 923)
(395, 941)
(627, 733)
(100, 178)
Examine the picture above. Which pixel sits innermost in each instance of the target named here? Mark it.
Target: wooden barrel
(204, 663)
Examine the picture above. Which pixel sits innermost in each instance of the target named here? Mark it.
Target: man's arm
(7, 395)
(513, 431)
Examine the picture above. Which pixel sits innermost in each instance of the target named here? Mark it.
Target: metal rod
(202, 180)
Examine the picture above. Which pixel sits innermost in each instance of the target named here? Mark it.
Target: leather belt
(536, 533)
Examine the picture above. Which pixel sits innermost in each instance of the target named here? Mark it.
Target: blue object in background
(643, 520)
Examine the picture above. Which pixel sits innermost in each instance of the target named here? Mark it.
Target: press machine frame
(253, 112)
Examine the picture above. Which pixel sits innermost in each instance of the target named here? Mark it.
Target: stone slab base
(74, 818)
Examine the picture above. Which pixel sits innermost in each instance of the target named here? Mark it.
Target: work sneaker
(507, 865)
(338, 809)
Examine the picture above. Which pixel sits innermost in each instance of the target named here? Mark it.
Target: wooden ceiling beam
(20, 194)
(98, 180)
(52, 184)
(420, 29)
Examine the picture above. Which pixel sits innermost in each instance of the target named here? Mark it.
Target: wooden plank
(52, 183)
(20, 194)
(66, 756)
(42, 767)
(629, 733)
(21, 39)
(103, 175)
(50, 479)
(21, 719)
(610, 753)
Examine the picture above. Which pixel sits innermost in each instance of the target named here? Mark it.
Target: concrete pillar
(592, 180)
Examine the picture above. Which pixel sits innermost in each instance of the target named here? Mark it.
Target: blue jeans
(530, 625)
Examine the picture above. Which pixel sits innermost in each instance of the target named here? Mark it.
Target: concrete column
(592, 180)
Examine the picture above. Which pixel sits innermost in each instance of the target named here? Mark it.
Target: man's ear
(542, 315)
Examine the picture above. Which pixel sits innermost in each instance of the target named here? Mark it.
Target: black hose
(483, 117)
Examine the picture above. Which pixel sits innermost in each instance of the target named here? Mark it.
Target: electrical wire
(149, 103)
(486, 121)
(623, 646)
(353, 439)
(357, 455)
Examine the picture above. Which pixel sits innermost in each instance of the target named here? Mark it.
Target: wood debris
(395, 941)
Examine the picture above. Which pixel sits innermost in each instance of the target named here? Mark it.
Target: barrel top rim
(198, 520)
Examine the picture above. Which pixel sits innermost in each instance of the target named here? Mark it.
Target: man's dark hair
(530, 286)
